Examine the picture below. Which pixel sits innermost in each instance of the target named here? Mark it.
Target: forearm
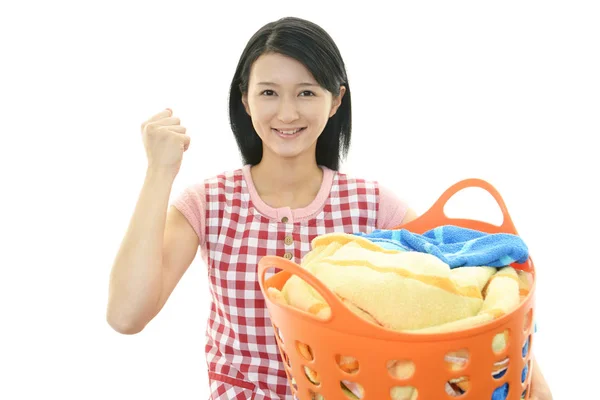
(539, 387)
(136, 276)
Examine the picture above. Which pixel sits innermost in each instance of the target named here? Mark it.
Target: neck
(287, 182)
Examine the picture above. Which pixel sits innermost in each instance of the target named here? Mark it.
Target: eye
(307, 93)
(267, 92)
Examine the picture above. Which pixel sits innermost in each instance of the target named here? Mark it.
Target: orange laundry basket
(346, 334)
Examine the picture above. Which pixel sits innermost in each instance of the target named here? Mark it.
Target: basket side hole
(404, 392)
(457, 387)
(348, 364)
(312, 376)
(525, 393)
(501, 392)
(526, 347)
(305, 351)
(525, 372)
(500, 367)
(280, 345)
(352, 390)
(285, 358)
(500, 342)
(315, 396)
(401, 369)
(278, 333)
(457, 360)
(528, 321)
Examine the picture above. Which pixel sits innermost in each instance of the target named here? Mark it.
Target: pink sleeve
(391, 209)
(192, 204)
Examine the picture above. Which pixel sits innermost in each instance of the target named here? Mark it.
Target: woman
(290, 111)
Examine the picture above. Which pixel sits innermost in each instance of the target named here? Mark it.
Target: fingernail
(170, 110)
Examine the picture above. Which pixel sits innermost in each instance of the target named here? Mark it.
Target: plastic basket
(373, 347)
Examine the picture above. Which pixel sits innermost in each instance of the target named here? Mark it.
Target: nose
(287, 111)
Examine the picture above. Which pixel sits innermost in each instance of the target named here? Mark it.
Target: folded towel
(456, 246)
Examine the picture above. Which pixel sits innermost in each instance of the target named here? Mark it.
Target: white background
(504, 91)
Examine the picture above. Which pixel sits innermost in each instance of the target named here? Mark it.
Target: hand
(165, 141)
(539, 387)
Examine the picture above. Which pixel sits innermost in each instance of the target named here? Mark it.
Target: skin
(283, 94)
(539, 387)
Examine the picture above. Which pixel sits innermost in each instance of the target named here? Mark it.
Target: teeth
(290, 132)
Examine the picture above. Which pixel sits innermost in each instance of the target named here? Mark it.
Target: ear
(245, 102)
(337, 101)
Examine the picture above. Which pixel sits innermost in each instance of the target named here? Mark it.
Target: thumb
(186, 142)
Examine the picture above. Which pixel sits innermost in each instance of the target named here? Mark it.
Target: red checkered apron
(242, 355)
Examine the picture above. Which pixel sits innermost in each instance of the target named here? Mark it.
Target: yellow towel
(401, 291)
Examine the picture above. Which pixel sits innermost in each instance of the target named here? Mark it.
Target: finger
(167, 112)
(176, 128)
(165, 122)
(186, 142)
(168, 121)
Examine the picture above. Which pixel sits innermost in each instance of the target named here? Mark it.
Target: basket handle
(436, 212)
(339, 311)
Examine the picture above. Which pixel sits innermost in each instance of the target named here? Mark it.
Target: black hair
(311, 45)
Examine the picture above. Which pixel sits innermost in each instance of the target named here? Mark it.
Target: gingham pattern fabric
(241, 351)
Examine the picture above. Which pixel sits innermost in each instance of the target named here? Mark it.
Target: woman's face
(289, 109)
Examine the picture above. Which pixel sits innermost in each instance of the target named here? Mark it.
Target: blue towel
(501, 393)
(456, 246)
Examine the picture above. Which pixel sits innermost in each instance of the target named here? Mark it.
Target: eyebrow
(274, 84)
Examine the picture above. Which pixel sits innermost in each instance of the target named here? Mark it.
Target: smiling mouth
(288, 132)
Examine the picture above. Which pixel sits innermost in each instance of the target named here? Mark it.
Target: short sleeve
(192, 204)
(392, 209)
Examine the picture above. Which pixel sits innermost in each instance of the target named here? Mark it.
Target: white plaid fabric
(241, 350)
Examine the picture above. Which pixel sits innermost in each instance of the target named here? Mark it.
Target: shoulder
(392, 209)
(353, 183)
(195, 200)
(195, 194)
(225, 178)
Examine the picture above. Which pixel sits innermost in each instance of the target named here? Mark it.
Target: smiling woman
(290, 112)
(289, 109)
(287, 78)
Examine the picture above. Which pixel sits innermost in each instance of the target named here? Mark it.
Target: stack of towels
(448, 279)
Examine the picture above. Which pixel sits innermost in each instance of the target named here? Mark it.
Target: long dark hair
(311, 45)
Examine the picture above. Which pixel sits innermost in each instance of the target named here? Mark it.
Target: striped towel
(456, 246)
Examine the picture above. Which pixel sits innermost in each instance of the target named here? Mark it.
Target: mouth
(288, 133)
